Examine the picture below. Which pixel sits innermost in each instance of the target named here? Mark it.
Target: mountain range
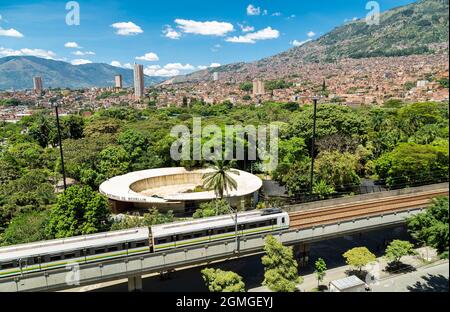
(419, 28)
(17, 72)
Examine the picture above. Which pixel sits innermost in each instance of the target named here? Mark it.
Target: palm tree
(220, 179)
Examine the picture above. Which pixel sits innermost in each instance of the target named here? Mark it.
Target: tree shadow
(399, 267)
(361, 274)
(432, 283)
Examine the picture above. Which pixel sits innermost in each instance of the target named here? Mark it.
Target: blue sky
(170, 37)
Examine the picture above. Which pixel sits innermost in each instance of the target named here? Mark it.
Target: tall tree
(320, 270)
(359, 257)
(431, 227)
(398, 249)
(220, 179)
(79, 211)
(280, 267)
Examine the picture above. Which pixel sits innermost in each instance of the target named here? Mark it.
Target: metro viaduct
(134, 267)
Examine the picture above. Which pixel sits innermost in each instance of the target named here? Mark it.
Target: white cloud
(213, 65)
(10, 33)
(297, 43)
(28, 52)
(350, 19)
(169, 70)
(311, 34)
(118, 64)
(162, 72)
(81, 53)
(276, 14)
(252, 10)
(264, 34)
(209, 28)
(72, 45)
(245, 28)
(179, 66)
(80, 62)
(149, 57)
(265, 12)
(127, 29)
(171, 33)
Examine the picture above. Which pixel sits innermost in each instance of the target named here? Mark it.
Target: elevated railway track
(327, 215)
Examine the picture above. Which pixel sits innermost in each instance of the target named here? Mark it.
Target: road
(425, 279)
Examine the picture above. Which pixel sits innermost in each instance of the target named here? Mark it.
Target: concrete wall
(370, 196)
(174, 179)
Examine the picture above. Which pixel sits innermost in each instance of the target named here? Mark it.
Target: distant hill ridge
(418, 28)
(17, 72)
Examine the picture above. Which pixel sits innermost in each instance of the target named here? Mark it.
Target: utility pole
(55, 105)
(313, 139)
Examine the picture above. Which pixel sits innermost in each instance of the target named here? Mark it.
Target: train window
(220, 231)
(187, 236)
(113, 248)
(197, 235)
(263, 224)
(253, 225)
(55, 258)
(8, 265)
(161, 241)
(231, 229)
(283, 220)
(99, 251)
(69, 256)
(140, 244)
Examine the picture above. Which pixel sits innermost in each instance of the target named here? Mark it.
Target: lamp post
(313, 139)
(55, 104)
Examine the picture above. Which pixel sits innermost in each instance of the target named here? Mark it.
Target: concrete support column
(135, 283)
(301, 253)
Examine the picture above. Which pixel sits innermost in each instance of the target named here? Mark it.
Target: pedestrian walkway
(425, 257)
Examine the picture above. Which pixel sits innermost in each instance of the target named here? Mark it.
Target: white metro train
(47, 255)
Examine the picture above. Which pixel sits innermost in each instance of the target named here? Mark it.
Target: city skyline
(154, 33)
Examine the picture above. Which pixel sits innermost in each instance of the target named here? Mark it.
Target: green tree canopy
(79, 211)
(213, 208)
(222, 281)
(359, 257)
(431, 227)
(398, 249)
(320, 268)
(280, 267)
(26, 228)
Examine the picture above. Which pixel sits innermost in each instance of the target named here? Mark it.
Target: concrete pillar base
(301, 253)
(135, 283)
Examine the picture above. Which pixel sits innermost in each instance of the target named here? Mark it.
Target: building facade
(119, 82)
(37, 84)
(138, 81)
(258, 87)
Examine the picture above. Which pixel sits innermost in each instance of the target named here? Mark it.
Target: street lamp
(54, 103)
(313, 143)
